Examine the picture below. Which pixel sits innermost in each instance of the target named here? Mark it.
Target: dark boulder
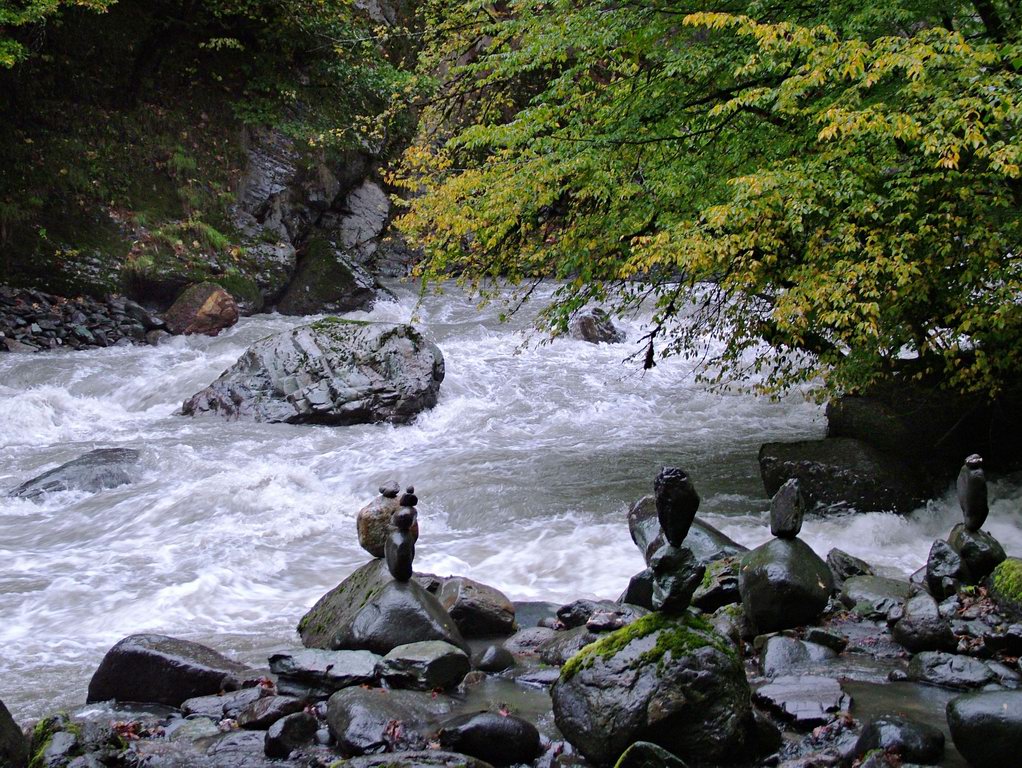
(595, 326)
(496, 738)
(787, 509)
(980, 552)
(370, 611)
(162, 670)
(844, 566)
(670, 681)
(783, 584)
(676, 576)
(479, 610)
(564, 645)
(425, 666)
(263, 713)
(949, 670)
(805, 701)
(945, 570)
(204, 309)
(289, 733)
(719, 586)
(922, 628)
(316, 673)
(94, 471)
(13, 745)
(493, 658)
(987, 727)
(529, 641)
(366, 720)
(705, 541)
(874, 596)
(334, 372)
(842, 472)
(912, 741)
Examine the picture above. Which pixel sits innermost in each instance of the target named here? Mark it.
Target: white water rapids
(524, 471)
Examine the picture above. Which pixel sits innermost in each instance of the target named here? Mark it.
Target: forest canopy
(839, 180)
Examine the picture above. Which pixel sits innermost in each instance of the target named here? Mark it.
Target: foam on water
(524, 470)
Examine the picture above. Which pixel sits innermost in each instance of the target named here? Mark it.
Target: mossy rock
(668, 680)
(326, 281)
(1006, 586)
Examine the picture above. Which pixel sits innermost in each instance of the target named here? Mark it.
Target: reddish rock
(205, 308)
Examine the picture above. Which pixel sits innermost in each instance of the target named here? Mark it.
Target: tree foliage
(841, 181)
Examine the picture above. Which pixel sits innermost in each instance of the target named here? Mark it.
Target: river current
(524, 471)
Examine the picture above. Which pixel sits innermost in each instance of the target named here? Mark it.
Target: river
(524, 471)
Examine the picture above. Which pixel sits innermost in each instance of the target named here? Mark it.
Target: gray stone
(806, 701)
(949, 670)
(972, 492)
(922, 628)
(425, 666)
(945, 570)
(563, 645)
(911, 741)
(595, 326)
(783, 584)
(580, 612)
(94, 471)
(787, 656)
(874, 596)
(321, 672)
(266, 711)
(493, 658)
(333, 372)
(844, 566)
(373, 523)
(222, 705)
(365, 720)
(676, 576)
(479, 610)
(430, 758)
(719, 586)
(787, 509)
(676, 504)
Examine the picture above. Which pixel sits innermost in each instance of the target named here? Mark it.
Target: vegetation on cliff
(840, 179)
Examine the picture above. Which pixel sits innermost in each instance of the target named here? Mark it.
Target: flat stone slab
(804, 700)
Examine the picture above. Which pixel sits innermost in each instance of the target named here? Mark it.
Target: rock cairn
(400, 546)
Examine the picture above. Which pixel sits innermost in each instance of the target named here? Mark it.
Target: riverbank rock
(805, 701)
(783, 584)
(334, 372)
(1006, 587)
(596, 327)
(370, 611)
(945, 570)
(874, 596)
(425, 666)
(94, 471)
(670, 681)
(843, 472)
(705, 541)
(922, 628)
(289, 733)
(499, 739)
(366, 720)
(479, 610)
(315, 673)
(949, 670)
(987, 727)
(13, 745)
(911, 741)
(163, 670)
(204, 309)
(843, 566)
(980, 551)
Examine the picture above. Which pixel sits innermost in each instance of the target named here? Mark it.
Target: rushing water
(524, 471)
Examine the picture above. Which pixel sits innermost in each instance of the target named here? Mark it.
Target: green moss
(242, 288)
(42, 736)
(677, 637)
(1007, 580)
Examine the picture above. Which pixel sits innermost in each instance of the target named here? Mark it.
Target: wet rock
(639, 590)
(595, 326)
(425, 666)
(840, 472)
(719, 586)
(493, 658)
(949, 670)
(530, 640)
(945, 570)
(204, 309)
(987, 727)
(317, 673)
(498, 739)
(328, 281)
(563, 645)
(783, 584)
(333, 372)
(1006, 587)
(844, 566)
(478, 610)
(676, 504)
(191, 730)
(432, 758)
(673, 682)
(702, 538)
(874, 596)
(676, 576)
(805, 701)
(787, 508)
(644, 754)
(980, 552)
(827, 638)
(222, 705)
(373, 522)
(399, 548)
(94, 471)
(912, 741)
(370, 611)
(972, 492)
(289, 733)
(13, 745)
(922, 628)
(263, 713)
(163, 670)
(579, 613)
(785, 656)
(364, 720)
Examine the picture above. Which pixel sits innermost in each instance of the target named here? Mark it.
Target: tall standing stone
(972, 492)
(787, 509)
(676, 503)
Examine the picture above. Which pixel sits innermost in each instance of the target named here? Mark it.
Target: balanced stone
(676, 503)
(787, 509)
(783, 584)
(400, 545)
(980, 552)
(676, 575)
(373, 521)
(972, 492)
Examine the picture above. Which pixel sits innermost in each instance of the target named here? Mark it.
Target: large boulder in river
(987, 727)
(13, 745)
(670, 681)
(334, 372)
(783, 584)
(371, 611)
(705, 541)
(595, 326)
(94, 471)
(163, 670)
(205, 309)
(843, 472)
